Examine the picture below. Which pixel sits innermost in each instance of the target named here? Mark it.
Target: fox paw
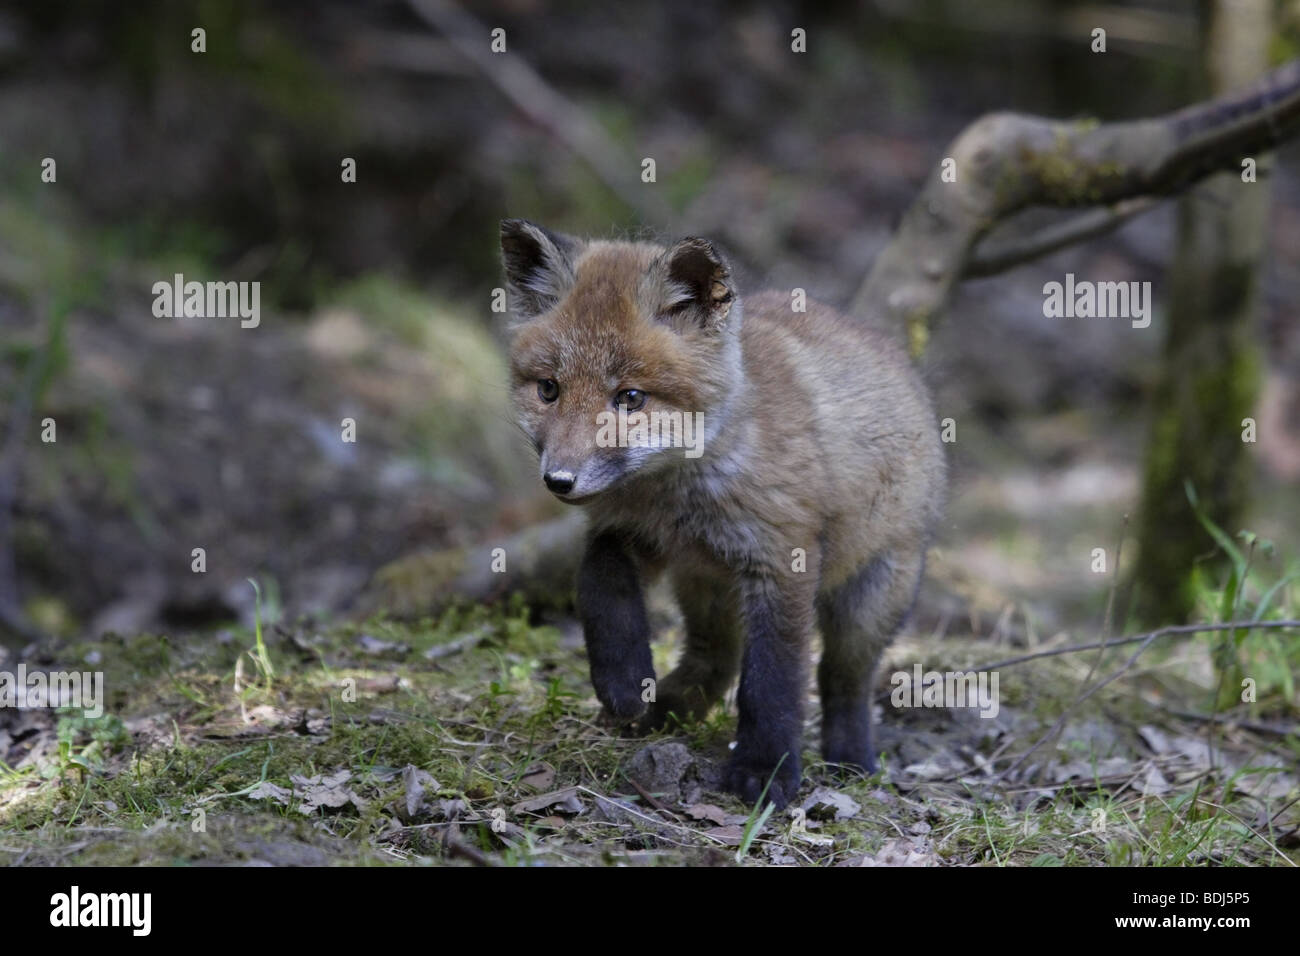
(624, 708)
(746, 778)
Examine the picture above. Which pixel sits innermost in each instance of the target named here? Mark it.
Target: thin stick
(454, 847)
(991, 257)
(1255, 725)
(525, 88)
(1174, 629)
(651, 799)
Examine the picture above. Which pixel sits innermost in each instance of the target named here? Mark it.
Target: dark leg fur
(778, 625)
(615, 627)
(858, 619)
(709, 663)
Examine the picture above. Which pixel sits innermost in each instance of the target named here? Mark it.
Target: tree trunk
(1212, 362)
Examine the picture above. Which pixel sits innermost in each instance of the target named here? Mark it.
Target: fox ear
(698, 287)
(539, 265)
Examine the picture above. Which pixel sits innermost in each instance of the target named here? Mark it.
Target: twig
(1259, 836)
(1060, 721)
(1147, 640)
(1175, 629)
(453, 847)
(652, 800)
(649, 819)
(536, 99)
(1106, 625)
(1108, 621)
(990, 257)
(460, 644)
(1228, 719)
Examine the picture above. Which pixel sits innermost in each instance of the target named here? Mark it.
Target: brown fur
(820, 437)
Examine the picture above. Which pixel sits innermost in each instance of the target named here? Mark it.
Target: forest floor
(476, 739)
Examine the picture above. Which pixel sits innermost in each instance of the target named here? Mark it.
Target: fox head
(610, 330)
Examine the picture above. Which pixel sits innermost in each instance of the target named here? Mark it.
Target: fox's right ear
(539, 265)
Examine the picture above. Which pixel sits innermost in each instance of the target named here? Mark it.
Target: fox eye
(633, 398)
(548, 390)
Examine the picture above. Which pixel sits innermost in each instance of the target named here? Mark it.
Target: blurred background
(225, 165)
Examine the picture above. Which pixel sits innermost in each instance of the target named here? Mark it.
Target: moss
(1066, 179)
(1210, 384)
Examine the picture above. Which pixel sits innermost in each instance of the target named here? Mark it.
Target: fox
(813, 492)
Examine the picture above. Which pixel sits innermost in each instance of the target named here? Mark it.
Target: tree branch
(525, 88)
(1006, 162)
(991, 257)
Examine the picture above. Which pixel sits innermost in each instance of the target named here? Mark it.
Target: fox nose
(560, 482)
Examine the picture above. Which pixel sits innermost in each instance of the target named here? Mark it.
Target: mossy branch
(1006, 162)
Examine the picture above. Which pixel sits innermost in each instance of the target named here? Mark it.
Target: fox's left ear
(696, 284)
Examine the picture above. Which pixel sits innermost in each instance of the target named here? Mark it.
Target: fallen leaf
(264, 715)
(416, 782)
(779, 855)
(453, 808)
(827, 804)
(728, 836)
(269, 791)
(375, 647)
(803, 836)
(566, 800)
(707, 811)
(929, 770)
(901, 852)
(1155, 738)
(1194, 749)
(325, 790)
(539, 776)
(1153, 783)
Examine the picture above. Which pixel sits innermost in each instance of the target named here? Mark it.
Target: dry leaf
(269, 791)
(375, 647)
(900, 852)
(539, 776)
(325, 790)
(707, 811)
(730, 835)
(416, 782)
(828, 804)
(566, 800)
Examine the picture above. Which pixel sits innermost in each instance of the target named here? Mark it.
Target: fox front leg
(778, 618)
(614, 626)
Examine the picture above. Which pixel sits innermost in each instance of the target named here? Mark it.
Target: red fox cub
(798, 487)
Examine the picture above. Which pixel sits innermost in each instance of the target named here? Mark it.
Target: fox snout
(573, 479)
(559, 481)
